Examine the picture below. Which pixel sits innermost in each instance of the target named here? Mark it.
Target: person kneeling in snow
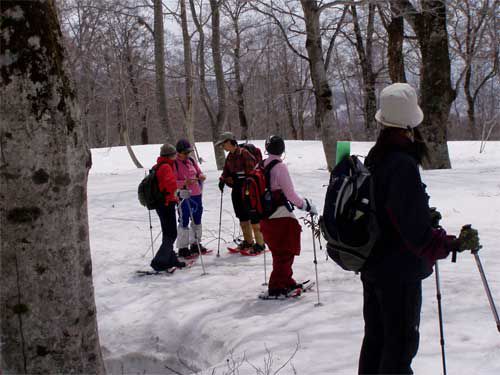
(282, 230)
(408, 245)
(165, 257)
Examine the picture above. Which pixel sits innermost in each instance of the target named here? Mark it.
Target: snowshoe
(256, 249)
(281, 294)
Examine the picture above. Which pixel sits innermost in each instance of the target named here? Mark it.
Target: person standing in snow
(282, 230)
(189, 182)
(165, 257)
(239, 163)
(408, 245)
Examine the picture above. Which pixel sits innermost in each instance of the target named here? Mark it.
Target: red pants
(282, 235)
(281, 276)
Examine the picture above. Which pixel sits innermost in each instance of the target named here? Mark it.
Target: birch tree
(47, 298)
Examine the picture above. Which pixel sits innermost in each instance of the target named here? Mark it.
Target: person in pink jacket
(189, 180)
(282, 230)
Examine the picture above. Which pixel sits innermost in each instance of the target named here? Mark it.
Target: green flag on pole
(343, 150)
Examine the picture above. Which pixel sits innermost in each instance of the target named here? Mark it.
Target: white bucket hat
(398, 107)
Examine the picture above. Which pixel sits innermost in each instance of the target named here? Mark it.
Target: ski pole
(151, 234)
(265, 272)
(315, 259)
(487, 288)
(195, 235)
(440, 312)
(220, 222)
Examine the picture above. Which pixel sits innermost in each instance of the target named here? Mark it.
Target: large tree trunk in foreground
(47, 298)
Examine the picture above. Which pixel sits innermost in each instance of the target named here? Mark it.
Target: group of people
(402, 257)
(180, 179)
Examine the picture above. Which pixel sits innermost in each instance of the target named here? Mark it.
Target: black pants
(392, 317)
(165, 257)
(240, 209)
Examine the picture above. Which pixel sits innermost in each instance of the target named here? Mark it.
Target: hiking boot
(184, 252)
(245, 246)
(256, 249)
(194, 249)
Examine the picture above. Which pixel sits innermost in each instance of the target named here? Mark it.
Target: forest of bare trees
(149, 70)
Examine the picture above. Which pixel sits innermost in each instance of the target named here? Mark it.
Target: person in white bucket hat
(408, 244)
(398, 107)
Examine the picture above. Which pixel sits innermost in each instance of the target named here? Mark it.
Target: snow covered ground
(214, 323)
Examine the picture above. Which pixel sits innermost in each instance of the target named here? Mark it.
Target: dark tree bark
(47, 302)
(395, 31)
(322, 90)
(161, 95)
(436, 91)
(365, 56)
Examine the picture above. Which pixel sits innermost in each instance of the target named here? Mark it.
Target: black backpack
(149, 192)
(349, 223)
(254, 151)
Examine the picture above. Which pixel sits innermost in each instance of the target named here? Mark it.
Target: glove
(221, 185)
(435, 217)
(184, 194)
(308, 206)
(468, 239)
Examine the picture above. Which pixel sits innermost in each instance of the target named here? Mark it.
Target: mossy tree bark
(47, 297)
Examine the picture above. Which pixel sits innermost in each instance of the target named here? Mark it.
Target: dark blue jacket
(408, 245)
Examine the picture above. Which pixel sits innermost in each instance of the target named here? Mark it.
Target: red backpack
(257, 195)
(253, 150)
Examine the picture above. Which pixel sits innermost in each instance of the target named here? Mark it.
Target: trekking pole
(150, 228)
(315, 259)
(220, 222)
(486, 288)
(440, 312)
(265, 272)
(151, 234)
(195, 235)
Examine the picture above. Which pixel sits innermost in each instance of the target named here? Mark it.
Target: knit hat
(167, 150)
(183, 145)
(275, 145)
(398, 107)
(226, 136)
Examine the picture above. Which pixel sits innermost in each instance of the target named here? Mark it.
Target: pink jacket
(280, 179)
(188, 169)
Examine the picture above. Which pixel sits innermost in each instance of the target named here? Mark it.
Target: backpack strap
(267, 171)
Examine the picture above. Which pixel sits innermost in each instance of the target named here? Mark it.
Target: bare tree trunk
(322, 90)
(124, 133)
(47, 302)
(366, 62)
(188, 71)
(161, 95)
(287, 95)
(395, 31)
(142, 113)
(436, 91)
(219, 79)
(240, 88)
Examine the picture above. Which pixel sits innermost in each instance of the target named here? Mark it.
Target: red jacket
(166, 178)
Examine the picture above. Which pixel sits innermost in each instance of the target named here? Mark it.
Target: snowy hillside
(210, 324)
